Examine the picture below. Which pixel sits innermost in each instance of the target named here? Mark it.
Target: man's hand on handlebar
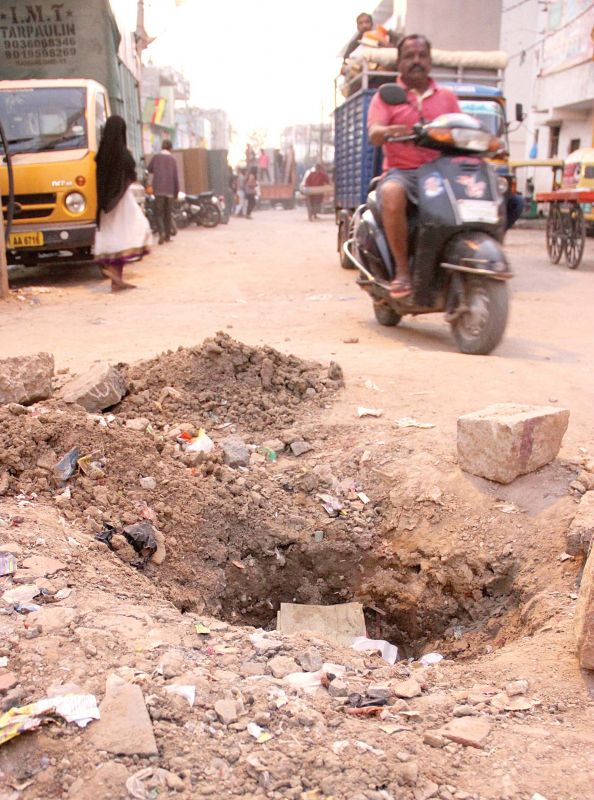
(396, 130)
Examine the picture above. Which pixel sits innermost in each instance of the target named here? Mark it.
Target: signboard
(59, 39)
(569, 40)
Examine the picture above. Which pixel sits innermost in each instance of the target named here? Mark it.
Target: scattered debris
(80, 709)
(411, 422)
(341, 623)
(26, 379)
(388, 652)
(369, 412)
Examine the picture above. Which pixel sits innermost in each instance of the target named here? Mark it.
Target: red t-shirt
(437, 100)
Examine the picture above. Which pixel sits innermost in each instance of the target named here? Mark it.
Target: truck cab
(53, 128)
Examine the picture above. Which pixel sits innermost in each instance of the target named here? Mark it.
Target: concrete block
(26, 379)
(507, 439)
(584, 616)
(581, 530)
(101, 387)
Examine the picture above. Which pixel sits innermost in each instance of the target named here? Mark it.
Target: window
(574, 144)
(100, 115)
(554, 141)
(41, 119)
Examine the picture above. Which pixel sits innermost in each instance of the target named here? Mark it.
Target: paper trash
(389, 652)
(431, 658)
(369, 412)
(410, 422)
(78, 708)
(8, 563)
(188, 691)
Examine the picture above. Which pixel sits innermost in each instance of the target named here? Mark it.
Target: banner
(569, 42)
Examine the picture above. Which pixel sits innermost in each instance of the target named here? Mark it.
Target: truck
(63, 74)
(475, 77)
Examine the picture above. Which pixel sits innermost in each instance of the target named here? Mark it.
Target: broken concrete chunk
(581, 530)
(281, 666)
(469, 731)
(42, 566)
(506, 440)
(236, 452)
(300, 447)
(125, 727)
(53, 618)
(407, 689)
(226, 711)
(584, 616)
(101, 387)
(26, 379)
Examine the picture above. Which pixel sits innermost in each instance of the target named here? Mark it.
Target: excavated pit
(431, 560)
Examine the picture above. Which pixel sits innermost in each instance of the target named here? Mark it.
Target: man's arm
(151, 167)
(378, 133)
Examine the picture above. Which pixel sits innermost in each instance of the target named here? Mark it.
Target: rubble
(124, 727)
(505, 440)
(99, 388)
(584, 616)
(581, 530)
(26, 379)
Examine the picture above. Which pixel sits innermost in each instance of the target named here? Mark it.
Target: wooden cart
(566, 229)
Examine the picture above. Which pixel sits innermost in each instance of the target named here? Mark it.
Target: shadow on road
(56, 275)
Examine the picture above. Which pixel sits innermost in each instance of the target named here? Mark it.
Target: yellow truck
(63, 78)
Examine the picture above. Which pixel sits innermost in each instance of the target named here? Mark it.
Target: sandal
(399, 288)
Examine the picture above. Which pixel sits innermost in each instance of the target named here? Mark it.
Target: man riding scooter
(398, 186)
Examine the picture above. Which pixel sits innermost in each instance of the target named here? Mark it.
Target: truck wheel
(386, 315)
(343, 235)
(479, 330)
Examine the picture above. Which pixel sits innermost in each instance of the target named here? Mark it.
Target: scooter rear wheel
(480, 329)
(386, 315)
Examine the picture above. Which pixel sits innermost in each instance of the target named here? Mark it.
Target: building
(310, 143)
(551, 72)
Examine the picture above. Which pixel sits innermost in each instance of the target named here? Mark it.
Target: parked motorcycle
(203, 209)
(456, 258)
(150, 212)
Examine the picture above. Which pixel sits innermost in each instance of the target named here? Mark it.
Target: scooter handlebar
(410, 137)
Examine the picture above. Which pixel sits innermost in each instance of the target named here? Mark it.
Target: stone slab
(584, 616)
(506, 440)
(125, 727)
(97, 389)
(26, 379)
(469, 731)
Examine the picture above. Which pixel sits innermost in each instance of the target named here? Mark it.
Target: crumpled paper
(78, 708)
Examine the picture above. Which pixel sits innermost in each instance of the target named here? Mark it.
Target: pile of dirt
(355, 515)
(224, 381)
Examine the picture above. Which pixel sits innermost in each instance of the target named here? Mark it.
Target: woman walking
(123, 232)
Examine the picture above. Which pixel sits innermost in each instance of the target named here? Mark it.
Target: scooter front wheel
(386, 315)
(479, 329)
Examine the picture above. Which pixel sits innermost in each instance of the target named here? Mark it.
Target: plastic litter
(186, 691)
(155, 777)
(3, 661)
(369, 412)
(389, 652)
(411, 422)
(77, 708)
(21, 594)
(259, 734)
(331, 505)
(271, 455)
(200, 444)
(202, 629)
(358, 701)
(431, 658)
(29, 608)
(8, 563)
(310, 681)
(92, 465)
(66, 467)
(367, 748)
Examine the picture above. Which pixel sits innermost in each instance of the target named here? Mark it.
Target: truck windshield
(488, 112)
(36, 120)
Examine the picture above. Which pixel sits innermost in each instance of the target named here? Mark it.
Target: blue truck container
(355, 159)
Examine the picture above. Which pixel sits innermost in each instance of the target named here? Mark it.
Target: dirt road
(276, 280)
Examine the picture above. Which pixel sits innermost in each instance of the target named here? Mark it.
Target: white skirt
(125, 231)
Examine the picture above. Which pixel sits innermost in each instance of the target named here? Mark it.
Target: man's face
(364, 24)
(415, 62)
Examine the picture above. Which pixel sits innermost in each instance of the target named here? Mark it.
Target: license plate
(478, 210)
(25, 239)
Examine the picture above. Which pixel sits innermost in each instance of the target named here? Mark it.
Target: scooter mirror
(392, 94)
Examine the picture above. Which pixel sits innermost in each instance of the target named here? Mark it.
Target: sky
(268, 63)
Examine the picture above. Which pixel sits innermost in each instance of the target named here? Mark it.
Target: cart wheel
(555, 233)
(575, 236)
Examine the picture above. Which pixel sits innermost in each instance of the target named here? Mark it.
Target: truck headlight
(75, 202)
(502, 184)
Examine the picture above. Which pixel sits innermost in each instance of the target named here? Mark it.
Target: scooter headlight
(476, 141)
(75, 202)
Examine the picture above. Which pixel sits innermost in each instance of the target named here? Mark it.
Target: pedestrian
(263, 162)
(250, 189)
(163, 168)
(314, 180)
(241, 202)
(123, 232)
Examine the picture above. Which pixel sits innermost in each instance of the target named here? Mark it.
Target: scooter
(455, 235)
(203, 209)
